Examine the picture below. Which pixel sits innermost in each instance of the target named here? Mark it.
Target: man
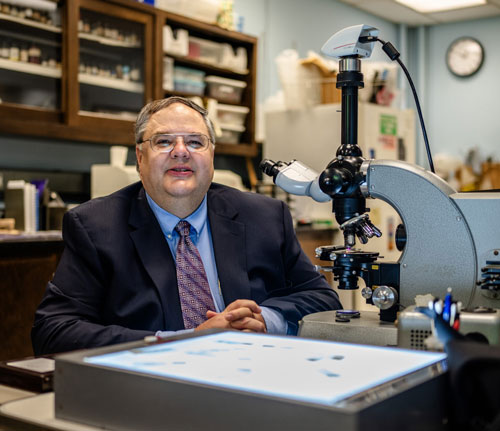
(131, 265)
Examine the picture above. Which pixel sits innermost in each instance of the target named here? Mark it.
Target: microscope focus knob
(366, 292)
(384, 297)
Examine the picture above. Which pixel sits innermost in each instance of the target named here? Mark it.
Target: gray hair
(157, 105)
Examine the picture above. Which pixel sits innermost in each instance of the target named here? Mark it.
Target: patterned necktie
(192, 282)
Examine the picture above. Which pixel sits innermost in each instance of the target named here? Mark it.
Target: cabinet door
(30, 59)
(110, 73)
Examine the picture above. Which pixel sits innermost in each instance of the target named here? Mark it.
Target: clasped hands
(242, 314)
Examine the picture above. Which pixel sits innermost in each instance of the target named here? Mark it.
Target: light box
(235, 380)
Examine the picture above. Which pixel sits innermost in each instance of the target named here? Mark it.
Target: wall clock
(465, 56)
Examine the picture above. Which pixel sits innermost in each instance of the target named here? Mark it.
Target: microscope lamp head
(345, 43)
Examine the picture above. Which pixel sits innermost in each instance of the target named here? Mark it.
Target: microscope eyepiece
(269, 167)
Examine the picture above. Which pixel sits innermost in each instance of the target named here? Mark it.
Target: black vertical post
(349, 80)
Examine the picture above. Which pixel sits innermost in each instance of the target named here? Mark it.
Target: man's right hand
(242, 314)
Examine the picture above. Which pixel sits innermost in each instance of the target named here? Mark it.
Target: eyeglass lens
(166, 142)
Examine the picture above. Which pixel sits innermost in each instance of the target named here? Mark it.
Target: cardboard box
(490, 176)
(329, 92)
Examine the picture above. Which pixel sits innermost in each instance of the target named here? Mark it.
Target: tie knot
(183, 228)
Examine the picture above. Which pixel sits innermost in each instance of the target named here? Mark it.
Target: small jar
(34, 54)
(135, 73)
(23, 53)
(14, 52)
(5, 50)
(126, 72)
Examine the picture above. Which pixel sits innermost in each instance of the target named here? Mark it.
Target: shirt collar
(168, 221)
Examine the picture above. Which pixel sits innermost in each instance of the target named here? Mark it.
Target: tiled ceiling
(398, 13)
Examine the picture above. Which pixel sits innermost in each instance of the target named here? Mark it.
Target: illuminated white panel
(429, 6)
(294, 368)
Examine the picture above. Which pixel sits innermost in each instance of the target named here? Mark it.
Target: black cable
(393, 54)
(417, 103)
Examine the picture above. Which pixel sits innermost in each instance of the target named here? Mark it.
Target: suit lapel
(156, 257)
(228, 238)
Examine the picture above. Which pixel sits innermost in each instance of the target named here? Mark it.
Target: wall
(463, 113)
(303, 26)
(458, 113)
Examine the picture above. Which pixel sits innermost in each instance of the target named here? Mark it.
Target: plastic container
(237, 61)
(204, 50)
(189, 80)
(230, 134)
(168, 73)
(175, 43)
(234, 115)
(203, 10)
(224, 89)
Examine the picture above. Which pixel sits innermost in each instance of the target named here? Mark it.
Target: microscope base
(367, 329)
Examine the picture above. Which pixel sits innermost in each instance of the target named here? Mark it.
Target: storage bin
(230, 133)
(176, 6)
(224, 89)
(203, 10)
(235, 61)
(234, 115)
(168, 73)
(189, 80)
(204, 50)
(175, 43)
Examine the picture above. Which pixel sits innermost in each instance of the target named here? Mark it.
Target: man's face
(178, 176)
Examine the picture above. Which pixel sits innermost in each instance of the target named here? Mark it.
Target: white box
(229, 114)
(203, 10)
(168, 73)
(175, 44)
(224, 89)
(235, 61)
(230, 133)
(176, 6)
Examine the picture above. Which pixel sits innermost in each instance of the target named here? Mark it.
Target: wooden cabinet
(213, 55)
(102, 61)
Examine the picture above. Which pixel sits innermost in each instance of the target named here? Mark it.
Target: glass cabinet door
(112, 61)
(30, 54)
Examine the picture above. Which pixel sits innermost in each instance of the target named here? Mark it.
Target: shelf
(127, 116)
(107, 41)
(33, 69)
(30, 23)
(117, 84)
(182, 93)
(206, 66)
(203, 96)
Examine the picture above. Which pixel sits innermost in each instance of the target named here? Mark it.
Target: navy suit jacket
(116, 280)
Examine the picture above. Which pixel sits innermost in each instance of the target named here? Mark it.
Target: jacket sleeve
(306, 291)
(70, 314)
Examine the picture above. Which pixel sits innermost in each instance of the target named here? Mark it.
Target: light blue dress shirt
(201, 236)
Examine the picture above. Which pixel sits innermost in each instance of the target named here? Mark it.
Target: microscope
(447, 239)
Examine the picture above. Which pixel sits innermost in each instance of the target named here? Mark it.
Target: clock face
(465, 56)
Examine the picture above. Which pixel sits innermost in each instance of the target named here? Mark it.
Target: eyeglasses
(165, 142)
